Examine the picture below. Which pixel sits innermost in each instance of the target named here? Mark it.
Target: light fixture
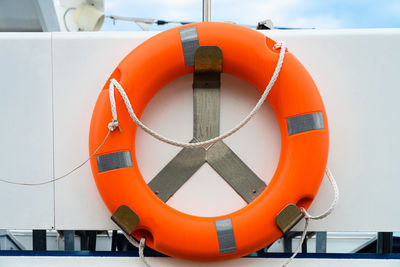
(88, 17)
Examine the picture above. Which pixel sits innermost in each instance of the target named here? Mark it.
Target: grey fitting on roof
(265, 25)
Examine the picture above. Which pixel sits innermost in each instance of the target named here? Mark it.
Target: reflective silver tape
(190, 43)
(226, 239)
(306, 122)
(114, 160)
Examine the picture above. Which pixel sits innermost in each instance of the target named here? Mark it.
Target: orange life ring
(295, 100)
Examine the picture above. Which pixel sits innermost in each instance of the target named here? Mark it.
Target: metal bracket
(177, 172)
(207, 67)
(125, 218)
(288, 217)
(234, 171)
(206, 116)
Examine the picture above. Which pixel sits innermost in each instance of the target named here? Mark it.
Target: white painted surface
(26, 136)
(358, 79)
(78, 58)
(166, 262)
(355, 71)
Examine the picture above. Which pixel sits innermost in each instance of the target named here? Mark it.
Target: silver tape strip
(114, 160)
(190, 43)
(306, 122)
(226, 238)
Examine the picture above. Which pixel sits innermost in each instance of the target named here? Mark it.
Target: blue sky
(323, 14)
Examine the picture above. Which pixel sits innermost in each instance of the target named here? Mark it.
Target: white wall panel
(26, 136)
(355, 70)
(82, 64)
(358, 78)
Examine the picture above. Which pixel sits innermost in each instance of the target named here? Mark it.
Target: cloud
(284, 13)
(321, 22)
(392, 7)
(113, 5)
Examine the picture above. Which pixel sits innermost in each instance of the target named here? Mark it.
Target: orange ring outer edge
(248, 55)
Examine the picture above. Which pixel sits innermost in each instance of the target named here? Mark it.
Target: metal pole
(206, 10)
(320, 245)
(287, 243)
(69, 240)
(39, 240)
(114, 240)
(304, 245)
(384, 243)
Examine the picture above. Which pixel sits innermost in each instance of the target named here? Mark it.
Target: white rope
(308, 216)
(64, 175)
(114, 124)
(140, 245)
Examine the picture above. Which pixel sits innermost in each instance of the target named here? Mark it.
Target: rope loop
(308, 216)
(115, 83)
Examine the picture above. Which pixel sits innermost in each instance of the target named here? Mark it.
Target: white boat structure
(52, 74)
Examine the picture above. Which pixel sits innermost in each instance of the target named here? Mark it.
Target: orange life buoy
(300, 113)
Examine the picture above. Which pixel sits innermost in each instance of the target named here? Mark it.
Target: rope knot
(113, 125)
(278, 45)
(305, 213)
